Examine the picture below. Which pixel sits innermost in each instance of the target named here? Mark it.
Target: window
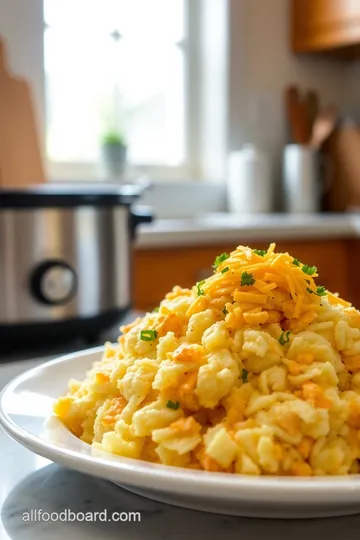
(116, 65)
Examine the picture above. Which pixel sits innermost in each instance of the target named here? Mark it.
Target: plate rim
(143, 471)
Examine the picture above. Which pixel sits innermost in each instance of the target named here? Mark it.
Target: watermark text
(37, 515)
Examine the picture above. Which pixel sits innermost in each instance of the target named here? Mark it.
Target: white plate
(25, 409)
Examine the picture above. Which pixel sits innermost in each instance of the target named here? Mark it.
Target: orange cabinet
(156, 271)
(325, 25)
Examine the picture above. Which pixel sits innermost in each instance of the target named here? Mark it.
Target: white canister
(249, 185)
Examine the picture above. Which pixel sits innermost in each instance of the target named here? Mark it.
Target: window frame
(67, 171)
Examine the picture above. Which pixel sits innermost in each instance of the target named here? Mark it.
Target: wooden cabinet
(325, 25)
(156, 271)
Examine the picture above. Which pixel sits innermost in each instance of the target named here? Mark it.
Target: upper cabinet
(325, 25)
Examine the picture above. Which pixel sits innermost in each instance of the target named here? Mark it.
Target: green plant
(113, 137)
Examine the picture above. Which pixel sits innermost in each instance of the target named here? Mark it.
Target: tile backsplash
(184, 199)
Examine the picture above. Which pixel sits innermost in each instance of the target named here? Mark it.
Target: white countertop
(29, 482)
(220, 228)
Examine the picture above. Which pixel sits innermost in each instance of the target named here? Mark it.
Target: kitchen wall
(24, 18)
(175, 200)
(262, 65)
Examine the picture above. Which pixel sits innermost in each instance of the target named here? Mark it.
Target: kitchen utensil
(249, 184)
(25, 413)
(65, 260)
(324, 125)
(20, 156)
(296, 114)
(301, 179)
(312, 108)
(343, 152)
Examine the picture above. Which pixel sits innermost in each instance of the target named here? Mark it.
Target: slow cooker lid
(68, 195)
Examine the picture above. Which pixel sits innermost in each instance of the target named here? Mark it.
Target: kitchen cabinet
(325, 25)
(156, 271)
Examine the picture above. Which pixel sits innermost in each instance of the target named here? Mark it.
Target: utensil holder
(301, 179)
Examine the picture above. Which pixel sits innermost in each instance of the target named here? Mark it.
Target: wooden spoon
(312, 108)
(324, 125)
(296, 113)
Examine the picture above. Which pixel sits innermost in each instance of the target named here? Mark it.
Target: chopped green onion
(247, 279)
(148, 335)
(260, 252)
(284, 338)
(225, 311)
(173, 405)
(224, 270)
(244, 375)
(200, 291)
(296, 262)
(309, 270)
(219, 259)
(320, 291)
(156, 309)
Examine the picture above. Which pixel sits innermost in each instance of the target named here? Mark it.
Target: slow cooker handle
(139, 214)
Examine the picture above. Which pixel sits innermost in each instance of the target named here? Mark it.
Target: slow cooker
(65, 260)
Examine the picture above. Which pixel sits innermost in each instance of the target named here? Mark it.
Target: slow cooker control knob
(53, 283)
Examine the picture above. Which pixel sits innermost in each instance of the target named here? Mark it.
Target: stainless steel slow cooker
(65, 260)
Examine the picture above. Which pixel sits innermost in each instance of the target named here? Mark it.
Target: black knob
(53, 283)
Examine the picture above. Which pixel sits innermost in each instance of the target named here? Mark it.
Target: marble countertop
(30, 482)
(221, 228)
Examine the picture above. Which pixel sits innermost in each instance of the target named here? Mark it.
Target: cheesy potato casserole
(255, 370)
